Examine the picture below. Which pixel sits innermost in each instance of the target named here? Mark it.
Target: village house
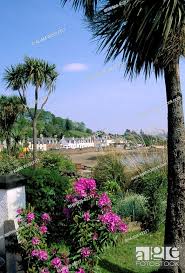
(45, 144)
(76, 143)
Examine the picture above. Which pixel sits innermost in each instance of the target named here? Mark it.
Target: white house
(45, 143)
(77, 143)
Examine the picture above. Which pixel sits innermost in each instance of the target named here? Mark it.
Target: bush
(46, 188)
(134, 206)
(153, 186)
(91, 224)
(37, 256)
(9, 164)
(58, 162)
(109, 168)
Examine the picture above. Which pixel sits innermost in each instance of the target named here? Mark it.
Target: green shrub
(10, 164)
(91, 225)
(58, 162)
(132, 205)
(153, 186)
(45, 188)
(109, 168)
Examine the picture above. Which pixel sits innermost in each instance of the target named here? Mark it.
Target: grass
(121, 258)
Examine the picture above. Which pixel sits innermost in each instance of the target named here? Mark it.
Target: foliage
(109, 167)
(40, 75)
(58, 162)
(32, 234)
(9, 164)
(143, 138)
(132, 205)
(45, 189)
(10, 109)
(48, 125)
(91, 224)
(153, 186)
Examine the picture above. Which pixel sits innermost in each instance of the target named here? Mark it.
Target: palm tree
(39, 74)
(150, 35)
(10, 109)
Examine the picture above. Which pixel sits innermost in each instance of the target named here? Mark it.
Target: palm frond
(146, 34)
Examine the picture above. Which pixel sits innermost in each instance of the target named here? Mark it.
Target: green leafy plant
(58, 162)
(109, 168)
(45, 189)
(153, 186)
(32, 234)
(91, 225)
(132, 205)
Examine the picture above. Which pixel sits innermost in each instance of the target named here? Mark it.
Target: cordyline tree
(150, 35)
(10, 109)
(39, 74)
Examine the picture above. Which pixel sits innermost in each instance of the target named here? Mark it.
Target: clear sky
(87, 90)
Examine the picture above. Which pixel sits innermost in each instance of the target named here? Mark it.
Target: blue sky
(87, 90)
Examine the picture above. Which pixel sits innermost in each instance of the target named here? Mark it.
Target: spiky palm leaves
(146, 34)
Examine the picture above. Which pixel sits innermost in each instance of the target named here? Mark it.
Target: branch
(44, 103)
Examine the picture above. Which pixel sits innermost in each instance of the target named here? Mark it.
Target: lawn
(121, 259)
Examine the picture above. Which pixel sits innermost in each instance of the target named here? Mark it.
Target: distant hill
(49, 126)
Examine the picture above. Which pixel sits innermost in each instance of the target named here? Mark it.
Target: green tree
(39, 74)
(68, 125)
(150, 35)
(10, 108)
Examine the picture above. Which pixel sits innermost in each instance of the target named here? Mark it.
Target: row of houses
(49, 143)
(44, 144)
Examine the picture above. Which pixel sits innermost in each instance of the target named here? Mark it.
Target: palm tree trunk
(8, 144)
(175, 214)
(34, 139)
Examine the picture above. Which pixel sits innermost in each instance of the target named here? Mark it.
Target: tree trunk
(175, 214)
(34, 139)
(8, 144)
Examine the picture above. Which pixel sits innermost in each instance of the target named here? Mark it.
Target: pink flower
(35, 253)
(64, 269)
(95, 236)
(113, 222)
(30, 217)
(19, 220)
(123, 227)
(86, 216)
(46, 217)
(43, 229)
(85, 186)
(35, 241)
(42, 255)
(85, 252)
(44, 270)
(104, 200)
(19, 211)
(80, 270)
(56, 262)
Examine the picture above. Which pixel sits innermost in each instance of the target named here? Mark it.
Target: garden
(87, 224)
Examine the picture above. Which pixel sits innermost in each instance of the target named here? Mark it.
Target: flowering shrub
(89, 226)
(90, 223)
(32, 234)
